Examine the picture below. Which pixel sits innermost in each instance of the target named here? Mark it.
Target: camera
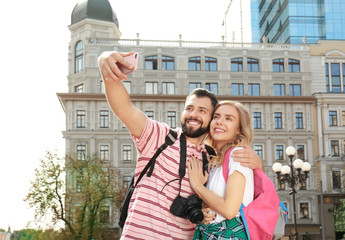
(189, 208)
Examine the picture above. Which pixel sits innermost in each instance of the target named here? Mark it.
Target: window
(79, 88)
(79, 183)
(327, 78)
(79, 57)
(104, 119)
(336, 179)
(299, 120)
(253, 89)
(278, 120)
(258, 150)
(81, 115)
(252, 65)
(212, 87)
(343, 117)
(194, 64)
(303, 210)
(171, 116)
(128, 86)
(335, 77)
(279, 152)
(343, 77)
(210, 64)
(334, 148)
(151, 63)
(101, 87)
(237, 89)
(278, 65)
(127, 181)
(279, 89)
(168, 63)
(333, 118)
(194, 85)
(151, 87)
(281, 184)
(104, 214)
(295, 89)
(149, 114)
(81, 152)
(127, 152)
(294, 65)
(300, 152)
(257, 120)
(104, 152)
(302, 184)
(237, 65)
(168, 88)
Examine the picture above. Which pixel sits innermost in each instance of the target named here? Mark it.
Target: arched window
(194, 64)
(294, 65)
(210, 64)
(151, 63)
(79, 57)
(168, 63)
(278, 65)
(252, 65)
(237, 65)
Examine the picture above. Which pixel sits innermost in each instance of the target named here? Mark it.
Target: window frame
(79, 57)
(211, 64)
(194, 63)
(236, 64)
(151, 62)
(168, 63)
(253, 62)
(278, 65)
(81, 119)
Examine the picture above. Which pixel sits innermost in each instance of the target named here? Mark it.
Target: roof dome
(95, 9)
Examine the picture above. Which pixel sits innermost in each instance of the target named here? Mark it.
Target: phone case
(132, 59)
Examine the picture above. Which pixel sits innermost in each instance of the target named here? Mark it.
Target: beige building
(5, 236)
(293, 99)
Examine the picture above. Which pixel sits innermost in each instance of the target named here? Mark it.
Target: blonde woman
(230, 128)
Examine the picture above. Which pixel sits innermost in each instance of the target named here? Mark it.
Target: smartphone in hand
(132, 59)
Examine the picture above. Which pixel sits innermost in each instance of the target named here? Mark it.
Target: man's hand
(108, 67)
(248, 158)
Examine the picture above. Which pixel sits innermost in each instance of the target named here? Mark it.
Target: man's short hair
(202, 92)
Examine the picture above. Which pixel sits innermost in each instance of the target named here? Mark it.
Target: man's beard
(189, 132)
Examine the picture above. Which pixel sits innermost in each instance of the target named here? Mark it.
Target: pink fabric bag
(261, 215)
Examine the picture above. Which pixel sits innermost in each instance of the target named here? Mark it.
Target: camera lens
(193, 209)
(195, 215)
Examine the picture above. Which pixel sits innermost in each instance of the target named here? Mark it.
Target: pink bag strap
(226, 164)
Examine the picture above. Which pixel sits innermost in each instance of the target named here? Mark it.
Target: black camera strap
(183, 156)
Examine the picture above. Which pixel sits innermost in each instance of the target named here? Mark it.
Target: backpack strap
(244, 220)
(225, 165)
(169, 140)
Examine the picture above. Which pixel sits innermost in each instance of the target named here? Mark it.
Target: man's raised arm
(116, 93)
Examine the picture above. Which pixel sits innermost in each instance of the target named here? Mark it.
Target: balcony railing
(193, 44)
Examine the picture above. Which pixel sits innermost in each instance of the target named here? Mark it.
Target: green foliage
(32, 234)
(73, 192)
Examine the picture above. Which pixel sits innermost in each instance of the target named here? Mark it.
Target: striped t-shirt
(148, 215)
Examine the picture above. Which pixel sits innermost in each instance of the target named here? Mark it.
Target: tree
(75, 192)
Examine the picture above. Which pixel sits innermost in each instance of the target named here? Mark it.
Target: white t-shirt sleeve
(247, 173)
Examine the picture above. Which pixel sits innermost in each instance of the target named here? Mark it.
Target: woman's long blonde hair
(244, 137)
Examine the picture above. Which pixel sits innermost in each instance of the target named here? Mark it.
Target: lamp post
(287, 174)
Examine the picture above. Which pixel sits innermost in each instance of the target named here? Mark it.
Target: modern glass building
(293, 21)
(254, 11)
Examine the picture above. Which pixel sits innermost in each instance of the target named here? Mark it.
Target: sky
(34, 67)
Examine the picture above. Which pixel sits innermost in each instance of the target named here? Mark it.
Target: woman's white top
(217, 184)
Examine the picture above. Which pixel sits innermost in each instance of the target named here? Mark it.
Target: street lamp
(287, 174)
